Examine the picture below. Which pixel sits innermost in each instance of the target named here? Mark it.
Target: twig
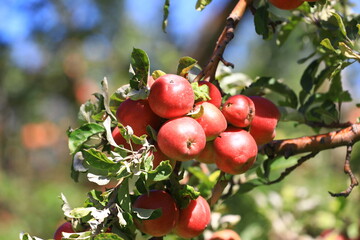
(289, 147)
(208, 73)
(347, 169)
(292, 168)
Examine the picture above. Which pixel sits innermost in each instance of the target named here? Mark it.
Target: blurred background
(53, 56)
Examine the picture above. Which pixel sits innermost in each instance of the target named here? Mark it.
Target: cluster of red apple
(186, 222)
(209, 131)
(289, 4)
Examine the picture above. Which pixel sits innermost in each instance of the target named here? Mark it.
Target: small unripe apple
(265, 120)
(181, 138)
(138, 115)
(214, 93)
(171, 96)
(236, 150)
(166, 222)
(286, 4)
(193, 219)
(65, 227)
(239, 110)
(212, 120)
(226, 234)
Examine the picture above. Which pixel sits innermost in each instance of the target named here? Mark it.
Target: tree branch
(347, 169)
(289, 147)
(226, 36)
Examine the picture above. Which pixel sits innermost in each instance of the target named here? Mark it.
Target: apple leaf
(80, 135)
(185, 65)
(166, 15)
(161, 172)
(261, 21)
(108, 236)
(98, 160)
(26, 236)
(201, 4)
(145, 214)
(140, 67)
(157, 73)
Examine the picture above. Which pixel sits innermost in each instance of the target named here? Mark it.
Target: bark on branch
(208, 73)
(289, 147)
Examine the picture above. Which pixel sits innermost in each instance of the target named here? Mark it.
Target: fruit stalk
(208, 73)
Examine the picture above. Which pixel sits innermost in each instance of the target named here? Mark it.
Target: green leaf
(249, 185)
(108, 236)
(157, 73)
(340, 23)
(358, 26)
(123, 196)
(97, 159)
(80, 135)
(261, 19)
(185, 65)
(145, 214)
(161, 172)
(201, 4)
(274, 85)
(26, 236)
(348, 52)
(81, 212)
(308, 77)
(166, 15)
(327, 44)
(140, 64)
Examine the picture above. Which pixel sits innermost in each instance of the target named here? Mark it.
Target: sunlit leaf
(201, 4)
(80, 135)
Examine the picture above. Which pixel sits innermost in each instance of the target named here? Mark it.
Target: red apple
(138, 115)
(265, 120)
(212, 120)
(171, 96)
(166, 222)
(208, 154)
(181, 138)
(226, 234)
(159, 156)
(193, 219)
(65, 227)
(214, 93)
(239, 110)
(236, 150)
(286, 4)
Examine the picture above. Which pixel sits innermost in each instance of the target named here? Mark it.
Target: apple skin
(265, 120)
(286, 4)
(226, 234)
(65, 227)
(138, 115)
(212, 120)
(166, 222)
(181, 138)
(193, 219)
(236, 151)
(214, 93)
(239, 110)
(208, 154)
(171, 96)
(159, 156)
(331, 234)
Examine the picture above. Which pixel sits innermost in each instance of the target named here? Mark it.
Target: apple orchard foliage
(109, 147)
